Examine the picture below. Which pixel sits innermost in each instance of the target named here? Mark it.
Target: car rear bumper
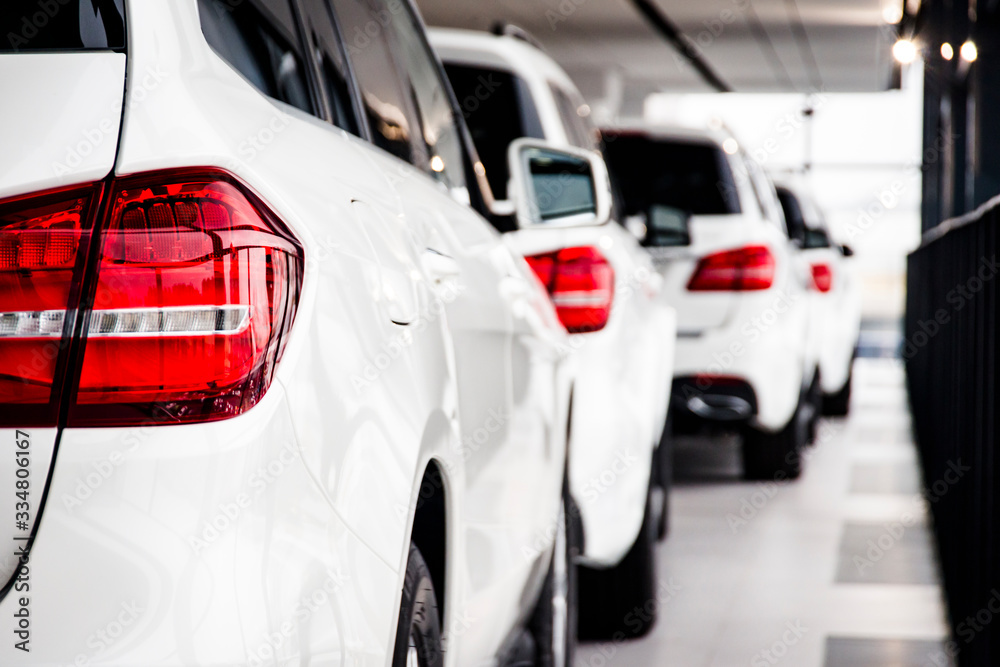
(203, 544)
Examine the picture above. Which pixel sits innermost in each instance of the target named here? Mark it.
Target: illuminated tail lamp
(745, 269)
(822, 276)
(194, 287)
(581, 283)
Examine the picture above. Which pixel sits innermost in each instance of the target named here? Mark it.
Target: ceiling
(615, 54)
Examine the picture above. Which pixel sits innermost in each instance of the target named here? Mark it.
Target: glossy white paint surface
(622, 387)
(760, 336)
(285, 531)
(60, 118)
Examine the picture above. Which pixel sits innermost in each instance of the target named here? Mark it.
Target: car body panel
(622, 387)
(365, 398)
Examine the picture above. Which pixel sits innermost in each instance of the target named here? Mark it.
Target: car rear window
(688, 175)
(498, 109)
(61, 25)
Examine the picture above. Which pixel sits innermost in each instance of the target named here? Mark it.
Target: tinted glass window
(325, 45)
(690, 176)
(387, 105)
(498, 109)
(61, 25)
(258, 47)
(794, 219)
(441, 135)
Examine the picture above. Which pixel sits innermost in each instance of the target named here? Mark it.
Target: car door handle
(440, 266)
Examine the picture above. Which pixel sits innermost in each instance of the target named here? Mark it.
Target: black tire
(419, 629)
(839, 404)
(621, 602)
(815, 400)
(554, 623)
(663, 467)
(775, 456)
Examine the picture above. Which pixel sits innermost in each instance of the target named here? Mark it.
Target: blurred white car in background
(837, 320)
(283, 391)
(609, 297)
(717, 232)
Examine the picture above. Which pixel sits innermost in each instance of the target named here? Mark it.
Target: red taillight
(194, 287)
(749, 268)
(42, 244)
(581, 283)
(822, 276)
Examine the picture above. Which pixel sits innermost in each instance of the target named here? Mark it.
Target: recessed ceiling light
(892, 12)
(969, 52)
(947, 52)
(905, 51)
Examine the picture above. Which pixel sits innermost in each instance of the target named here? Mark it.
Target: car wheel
(554, 624)
(418, 634)
(775, 456)
(621, 601)
(839, 404)
(815, 400)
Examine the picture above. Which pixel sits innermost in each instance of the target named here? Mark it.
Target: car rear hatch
(664, 180)
(62, 64)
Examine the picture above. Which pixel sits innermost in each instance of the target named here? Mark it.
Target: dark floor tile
(888, 553)
(857, 652)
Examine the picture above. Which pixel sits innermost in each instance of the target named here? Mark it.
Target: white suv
(619, 471)
(837, 318)
(273, 391)
(717, 231)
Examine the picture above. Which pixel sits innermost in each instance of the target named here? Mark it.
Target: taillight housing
(43, 242)
(744, 269)
(822, 277)
(188, 297)
(581, 284)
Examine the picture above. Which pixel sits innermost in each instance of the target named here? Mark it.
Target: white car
(273, 390)
(837, 320)
(715, 226)
(619, 473)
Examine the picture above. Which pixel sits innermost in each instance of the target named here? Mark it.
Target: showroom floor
(834, 570)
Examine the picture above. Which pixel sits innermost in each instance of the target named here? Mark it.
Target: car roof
(472, 47)
(672, 132)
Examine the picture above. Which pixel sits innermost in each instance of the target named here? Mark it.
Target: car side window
(326, 50)
(440, 130)
(577, 132)
(386, 102)
(260, 45)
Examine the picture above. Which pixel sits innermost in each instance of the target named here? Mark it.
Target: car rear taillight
(196, 288)
(749, 268)
(192, 290)
(581, 283)
(822, 276)
(43, 241)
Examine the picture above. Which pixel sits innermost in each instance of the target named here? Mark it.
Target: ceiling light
(905, 51)
(969, 52)
(730, 145)
(947, 52)
(892, 12)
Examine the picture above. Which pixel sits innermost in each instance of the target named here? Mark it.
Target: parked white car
(717, 231)
(273, 390)
(837, 322)
(610, 298)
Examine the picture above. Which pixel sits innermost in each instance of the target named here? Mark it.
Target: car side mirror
(667, 227)
(556, 187)
(847, 251)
